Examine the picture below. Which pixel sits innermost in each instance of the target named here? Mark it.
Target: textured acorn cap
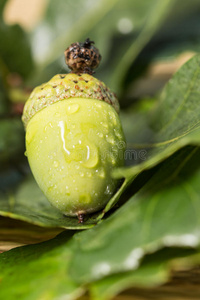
(65, 86)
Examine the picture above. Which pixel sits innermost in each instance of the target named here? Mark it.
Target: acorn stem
(88, 43)
(80, 218)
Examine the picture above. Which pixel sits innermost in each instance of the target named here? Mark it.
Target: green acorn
(74, 137)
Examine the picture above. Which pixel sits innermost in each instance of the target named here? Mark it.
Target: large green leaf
(154, 271)
(15, 61)
(163, 213)
(15, 49)
(4, 105)
(173, 124)
(139, 227)
(14, 38)
(2, 5)
(38, 272)
(41, 272)
(149, 275)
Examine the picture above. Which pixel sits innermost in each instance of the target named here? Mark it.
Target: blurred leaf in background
(15, 58)
(15, 50)
(115, 26)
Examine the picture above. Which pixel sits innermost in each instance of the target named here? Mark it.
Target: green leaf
(4, 105)
(38, 271)
(149, 275)
(2, 5)
(14, 38)
(163, 213)
(41, 272)
(154, 271)
(173, 124)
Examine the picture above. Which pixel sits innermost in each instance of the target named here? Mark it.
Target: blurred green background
(142, 43)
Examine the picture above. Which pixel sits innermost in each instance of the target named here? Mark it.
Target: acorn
(74, 138)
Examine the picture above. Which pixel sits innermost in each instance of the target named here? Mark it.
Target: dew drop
(50, 189)
(98, 105)
(31, 132)
(56, 164)
(112, 158)
(47, 126)
(104, 124)
(108, 190)
(77, 167)
(92, 156)
(72, 108)
(73, 126)
(25, 153)
(89, 174)
(85, 198)
(110, 139)
(82, 174)
(67, 191)
(113, 118)
(101, 173)
(117, 133)
(113, 161)
(100, 134)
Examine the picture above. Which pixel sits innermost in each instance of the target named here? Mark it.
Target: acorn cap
(65, 86)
